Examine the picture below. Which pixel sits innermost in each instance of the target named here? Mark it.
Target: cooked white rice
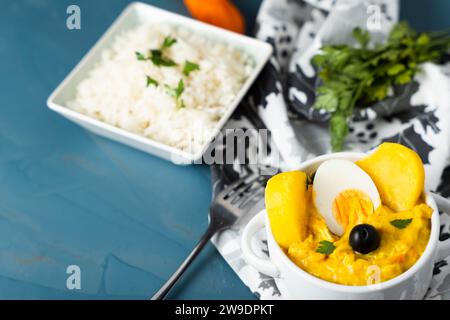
(116, 91)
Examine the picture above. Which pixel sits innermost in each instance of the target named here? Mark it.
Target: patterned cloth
(417, 115)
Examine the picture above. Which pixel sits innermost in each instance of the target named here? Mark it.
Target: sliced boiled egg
(343, 194)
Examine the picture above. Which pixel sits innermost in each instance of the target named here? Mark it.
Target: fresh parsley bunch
(360, 76)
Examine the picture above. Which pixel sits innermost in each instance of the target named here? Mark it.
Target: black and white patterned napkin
(418, 115)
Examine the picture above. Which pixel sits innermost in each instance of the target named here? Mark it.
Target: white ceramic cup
(295, 283)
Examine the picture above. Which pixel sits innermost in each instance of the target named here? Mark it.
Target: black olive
(364, 238)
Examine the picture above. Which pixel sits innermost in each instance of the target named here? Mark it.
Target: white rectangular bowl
(134, 15)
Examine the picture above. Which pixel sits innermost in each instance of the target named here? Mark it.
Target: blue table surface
(68, 197)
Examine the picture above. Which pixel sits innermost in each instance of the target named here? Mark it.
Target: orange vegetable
(221, 13)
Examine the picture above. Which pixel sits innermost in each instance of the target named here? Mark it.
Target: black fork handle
(162, 293)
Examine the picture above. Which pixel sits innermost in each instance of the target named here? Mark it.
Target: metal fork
(228, 207)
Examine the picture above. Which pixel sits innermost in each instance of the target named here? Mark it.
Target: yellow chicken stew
(398, 251)
(367, 246)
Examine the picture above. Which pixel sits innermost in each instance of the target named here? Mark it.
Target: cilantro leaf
(140, 56)
(404, 77)
(168, 42)
(338, 130)
(179, 89)
(159, 60)
(157, 55)
(395, 69)
(401, 223)
(176, 92)
(151, 81)
(377, 92)
(170, 91)
(423, 39)
(327, 99)
(319, 60)
(362, 36)
(190, 67)
(401, 31)
(325, 247)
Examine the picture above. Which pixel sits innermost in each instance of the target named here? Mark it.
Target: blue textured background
(68, 197)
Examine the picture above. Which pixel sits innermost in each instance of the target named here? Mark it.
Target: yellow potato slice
(398, 173)
(286, 203)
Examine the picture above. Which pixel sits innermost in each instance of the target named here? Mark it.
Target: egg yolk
(350, 207)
